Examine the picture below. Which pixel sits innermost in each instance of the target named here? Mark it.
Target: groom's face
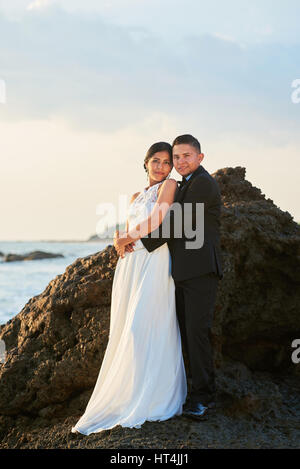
(186, 158)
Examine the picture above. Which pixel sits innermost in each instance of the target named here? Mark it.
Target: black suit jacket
(190, 263)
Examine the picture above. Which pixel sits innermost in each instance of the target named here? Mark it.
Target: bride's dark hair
(156, 147)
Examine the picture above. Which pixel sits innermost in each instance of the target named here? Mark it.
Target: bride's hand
(121, 251)
(117, 244)
(129, 247)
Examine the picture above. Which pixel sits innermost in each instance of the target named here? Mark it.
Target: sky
(90, 86)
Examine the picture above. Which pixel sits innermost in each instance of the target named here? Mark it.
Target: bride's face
(159, 166)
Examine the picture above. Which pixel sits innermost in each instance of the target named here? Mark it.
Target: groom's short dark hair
(187, 138)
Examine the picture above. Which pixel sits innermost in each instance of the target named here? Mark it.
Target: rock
(244, 392)
(258, 304)
(30, 256)
(56, 344)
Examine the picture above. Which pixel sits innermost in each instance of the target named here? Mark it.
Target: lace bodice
(141, 208)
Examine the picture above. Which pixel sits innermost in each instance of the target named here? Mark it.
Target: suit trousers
(195, 301)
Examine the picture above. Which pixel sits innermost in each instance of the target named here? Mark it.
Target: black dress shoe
(196, 411)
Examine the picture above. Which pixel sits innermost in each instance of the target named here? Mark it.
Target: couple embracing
(162, 302)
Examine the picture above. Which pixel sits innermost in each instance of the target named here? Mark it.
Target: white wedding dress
(142, 376)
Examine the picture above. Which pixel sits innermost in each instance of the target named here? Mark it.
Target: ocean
(21, 280)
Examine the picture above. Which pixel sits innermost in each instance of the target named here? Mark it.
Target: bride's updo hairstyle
(155, 148)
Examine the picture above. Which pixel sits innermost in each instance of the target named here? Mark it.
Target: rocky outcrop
(30, 256)
(55, 345)
(257, 314)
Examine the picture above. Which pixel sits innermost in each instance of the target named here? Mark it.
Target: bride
(142, 376)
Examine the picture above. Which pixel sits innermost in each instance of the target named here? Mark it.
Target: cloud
(121, 88)
(98, 75)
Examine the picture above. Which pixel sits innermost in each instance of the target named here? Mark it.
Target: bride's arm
(159, 211)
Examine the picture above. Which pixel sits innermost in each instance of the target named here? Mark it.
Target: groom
(195, 271)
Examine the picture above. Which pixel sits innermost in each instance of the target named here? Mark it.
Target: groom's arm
(201, 190)
(155, 239)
